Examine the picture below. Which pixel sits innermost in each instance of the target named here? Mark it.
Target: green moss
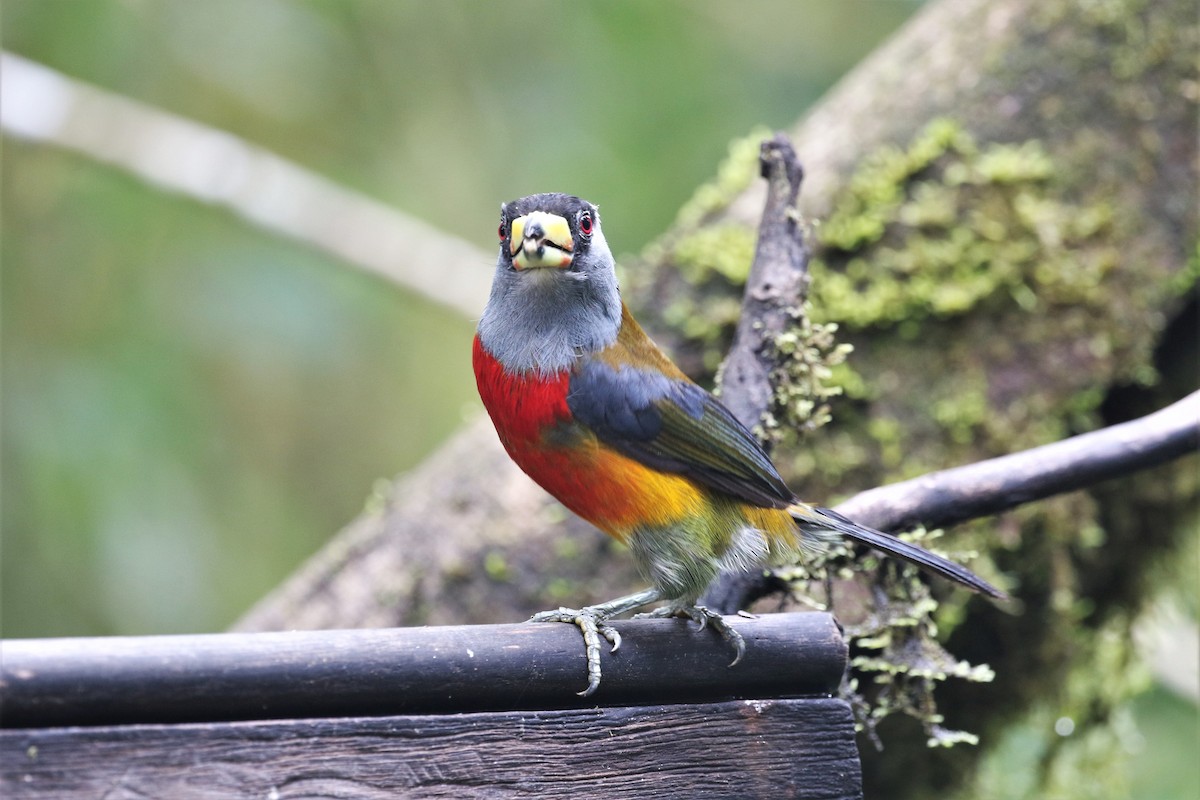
(724, 250)
(935, 230)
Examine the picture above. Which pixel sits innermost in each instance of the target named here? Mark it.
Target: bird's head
(556, 232)
(555, 292)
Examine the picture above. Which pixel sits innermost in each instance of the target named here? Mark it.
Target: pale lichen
(805, 357)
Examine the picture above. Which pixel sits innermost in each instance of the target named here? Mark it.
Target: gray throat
(542, 320)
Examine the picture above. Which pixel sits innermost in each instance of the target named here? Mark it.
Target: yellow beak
(539, 240)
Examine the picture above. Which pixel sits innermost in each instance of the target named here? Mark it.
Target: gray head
(554, 295)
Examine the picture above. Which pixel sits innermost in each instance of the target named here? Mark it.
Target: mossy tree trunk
(1005, 198)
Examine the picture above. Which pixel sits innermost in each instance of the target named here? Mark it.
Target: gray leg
(592, 622)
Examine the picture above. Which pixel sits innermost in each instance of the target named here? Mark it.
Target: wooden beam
(799, 748)
(118, 680)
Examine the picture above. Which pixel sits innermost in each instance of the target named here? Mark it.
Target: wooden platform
(473, 711)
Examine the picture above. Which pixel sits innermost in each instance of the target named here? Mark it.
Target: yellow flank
(776, 525)
(626, 494)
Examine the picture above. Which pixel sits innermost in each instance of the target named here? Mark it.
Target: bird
(591, 409)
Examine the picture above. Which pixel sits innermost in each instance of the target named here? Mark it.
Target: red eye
(585, 224)
(501, 231)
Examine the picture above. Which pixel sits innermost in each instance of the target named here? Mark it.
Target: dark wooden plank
(738, 749)
(406, 670)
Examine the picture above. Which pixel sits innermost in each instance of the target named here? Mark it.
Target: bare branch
(989, 487)
(216, 167)
(775, 289)
(998, 484)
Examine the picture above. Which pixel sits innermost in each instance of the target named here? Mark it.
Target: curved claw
(592, 625)
(702, 617)
(722, 627)
(592, 622)
(610, 633)
(739, 646)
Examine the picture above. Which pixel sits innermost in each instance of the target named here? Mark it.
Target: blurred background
(192, 404)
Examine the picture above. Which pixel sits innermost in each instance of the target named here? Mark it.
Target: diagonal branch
(998, 484)
(214, 166)
(989, 487)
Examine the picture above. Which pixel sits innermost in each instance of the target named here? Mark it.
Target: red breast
(522, 406)
(615, 493)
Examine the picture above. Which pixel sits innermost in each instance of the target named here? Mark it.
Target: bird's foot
(704, 617)
(592, 623)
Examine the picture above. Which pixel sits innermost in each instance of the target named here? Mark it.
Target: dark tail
(824, 518)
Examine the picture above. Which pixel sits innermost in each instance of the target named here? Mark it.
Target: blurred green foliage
(191, 406)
